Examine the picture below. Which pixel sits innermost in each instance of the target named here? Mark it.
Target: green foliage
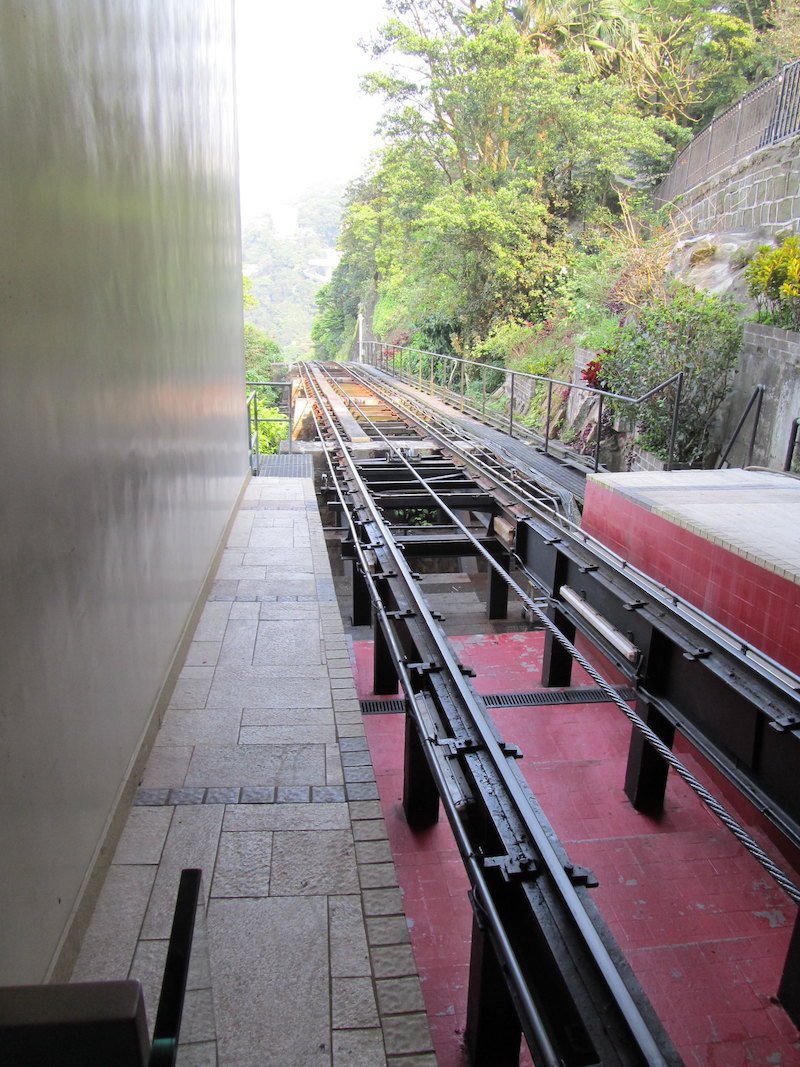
(270, 434)
(689, 331)
(773, 279)
(260, 352)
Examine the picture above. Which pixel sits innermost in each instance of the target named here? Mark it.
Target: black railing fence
(765, 116)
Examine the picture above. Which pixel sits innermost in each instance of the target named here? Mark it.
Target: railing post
(547, 422)
(597, 436)
(433, 360)
(462, 387)
(756, 420)
(255, 422)
(483, 383)
(511, 409)
(674, 428)
(291, 414)
(419, 369)
(787, 463)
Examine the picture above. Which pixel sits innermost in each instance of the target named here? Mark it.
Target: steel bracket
(513, 868)
(581, 876)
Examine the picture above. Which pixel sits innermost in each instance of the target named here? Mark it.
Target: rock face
(715, 262)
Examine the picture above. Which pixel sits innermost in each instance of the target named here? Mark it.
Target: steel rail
(768, 668)
(530, 1018)
(515, 790)
(744, 838)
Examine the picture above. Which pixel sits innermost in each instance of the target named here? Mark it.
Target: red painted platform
(704, 928)
(727, 541)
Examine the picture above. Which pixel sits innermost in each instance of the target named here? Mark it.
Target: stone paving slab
(261, 776)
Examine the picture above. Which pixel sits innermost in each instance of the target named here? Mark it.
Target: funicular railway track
(542, 959)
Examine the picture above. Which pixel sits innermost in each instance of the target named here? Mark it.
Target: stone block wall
(761, 192)
(769, 357)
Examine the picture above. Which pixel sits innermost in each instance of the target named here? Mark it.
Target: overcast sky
(302, 120)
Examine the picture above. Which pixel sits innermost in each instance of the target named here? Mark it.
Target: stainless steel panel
(122, 435)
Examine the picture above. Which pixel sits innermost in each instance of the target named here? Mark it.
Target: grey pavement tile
(243, 865)
(191, 842)
(245, 609)
(270, 537)
(361, 790)
(236, 572)
(393, 961)
(358, 1048)
(257, 765)
(110, 941)
(328, 794)
(166, 766)
(387, 930)
(377, 876)
(347, 731)
(274, 1007)
(287, 642)
(351, 744)
(293, 794)
(150, 797)
(187, 795)
(286, 817)
(147, 968)
(274, 610)
(213, 620)
(287, 716)
(334, 774)
(222, 794)
(354, 775)
(348, 947)
(404, 1034)
(200, 726)
(398, 996)
(313, 862)
(238, 643)
(359, 758)
(369, 830)
(382, 901)
(223, 589)
(192, 687)
(202, 1055)
(143, 836)
(373, 852)
(202, 653)
(198, 1023)
(258, 794)
(353, 1004)
(365, 809)
(269, 687)
(287, 735)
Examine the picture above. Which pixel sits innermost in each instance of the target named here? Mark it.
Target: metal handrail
(384, 357)
(254, 420)
(765, 116)
(757, 398)
(787, 463)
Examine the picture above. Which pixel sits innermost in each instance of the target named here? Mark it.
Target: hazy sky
(302, 120)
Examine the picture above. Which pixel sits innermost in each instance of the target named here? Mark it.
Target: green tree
(699, 334)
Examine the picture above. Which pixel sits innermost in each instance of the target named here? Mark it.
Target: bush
(699, 334)
(773, 279)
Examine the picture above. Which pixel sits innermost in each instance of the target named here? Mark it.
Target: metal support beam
(646, 773)
(384, 674)
(493, 1031)
(497, 596)
(557, 662)
(420, 795)
(362, 605)
(789, 989)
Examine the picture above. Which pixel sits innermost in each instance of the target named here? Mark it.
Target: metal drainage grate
(542, 698)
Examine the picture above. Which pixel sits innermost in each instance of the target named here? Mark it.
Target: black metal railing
(447, 377)
(765, 116)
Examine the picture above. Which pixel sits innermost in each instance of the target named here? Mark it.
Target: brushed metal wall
(122, 435)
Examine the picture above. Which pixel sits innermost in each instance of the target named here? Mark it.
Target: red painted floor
(704, 928)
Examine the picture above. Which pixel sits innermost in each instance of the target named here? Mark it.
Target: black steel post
(383, 670)
(646, 772)
(493, 1031)
(497, 593)
(789, 989)
(362, 605)
(557, 662)
(420, 795)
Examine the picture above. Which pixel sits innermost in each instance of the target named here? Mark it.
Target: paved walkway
(261, 776)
